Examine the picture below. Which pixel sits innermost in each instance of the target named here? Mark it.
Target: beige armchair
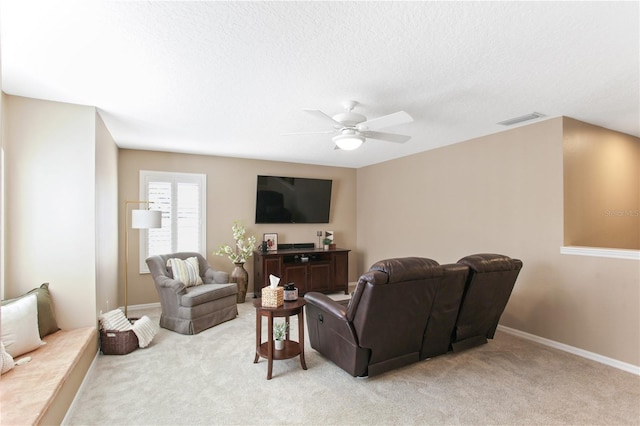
(189, 310)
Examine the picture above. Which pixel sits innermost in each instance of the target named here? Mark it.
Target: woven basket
(113, 342)
(272, 298)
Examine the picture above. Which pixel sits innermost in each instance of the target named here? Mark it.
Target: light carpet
(210, 378)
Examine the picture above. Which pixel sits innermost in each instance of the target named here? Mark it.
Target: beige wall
(107, 242)
(500, 193)
(602, 187)
(50, 203)
(231, 192)
(503, 193)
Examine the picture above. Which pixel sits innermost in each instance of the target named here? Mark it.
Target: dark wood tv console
(326, 271)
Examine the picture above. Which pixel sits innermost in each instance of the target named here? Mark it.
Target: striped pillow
(186, 271)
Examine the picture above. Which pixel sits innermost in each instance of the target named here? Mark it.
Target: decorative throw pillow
(47, 323)
(186, 271)
(20, 326)
(6, 360)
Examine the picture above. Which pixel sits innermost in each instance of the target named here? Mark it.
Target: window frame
(174, 178)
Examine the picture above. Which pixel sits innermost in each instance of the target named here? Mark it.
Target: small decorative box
(272, 298)
(290, 292)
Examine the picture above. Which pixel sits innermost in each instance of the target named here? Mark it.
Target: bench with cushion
(42, 367)
(40, 391)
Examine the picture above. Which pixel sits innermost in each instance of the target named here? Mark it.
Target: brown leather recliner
(403, 310)
(489, 285)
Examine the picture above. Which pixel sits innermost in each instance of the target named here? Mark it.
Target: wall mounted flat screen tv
(292, 200)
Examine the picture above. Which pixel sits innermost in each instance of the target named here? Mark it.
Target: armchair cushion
(186, 271)
(206, 293)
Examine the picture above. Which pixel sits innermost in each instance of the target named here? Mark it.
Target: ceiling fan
(352, 129)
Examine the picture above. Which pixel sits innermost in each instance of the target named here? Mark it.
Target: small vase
(279, 345)
(240, 276)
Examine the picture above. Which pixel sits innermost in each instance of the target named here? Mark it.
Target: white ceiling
(228, 78)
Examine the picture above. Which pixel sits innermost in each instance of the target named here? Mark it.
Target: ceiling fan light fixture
(348, 142)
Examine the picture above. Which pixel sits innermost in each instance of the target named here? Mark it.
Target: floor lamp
(140, 219)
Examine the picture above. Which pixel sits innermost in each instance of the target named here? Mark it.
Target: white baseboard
(141, 307)
(630, 368)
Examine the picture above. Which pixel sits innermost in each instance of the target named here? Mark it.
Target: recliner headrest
(489, 262)
(407, 268)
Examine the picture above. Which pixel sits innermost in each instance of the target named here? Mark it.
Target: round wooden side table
(291, 348)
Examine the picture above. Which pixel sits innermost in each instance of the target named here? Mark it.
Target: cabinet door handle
(320, 318)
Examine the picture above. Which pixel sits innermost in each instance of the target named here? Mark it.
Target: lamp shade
(146, 219)
(348, 142)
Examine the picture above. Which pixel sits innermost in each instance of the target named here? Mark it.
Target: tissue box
(272, 297)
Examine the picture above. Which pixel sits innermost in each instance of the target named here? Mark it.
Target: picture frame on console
(272, 241)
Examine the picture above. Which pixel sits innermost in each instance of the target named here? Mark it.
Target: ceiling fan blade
(324, 116)
(389, 137)
(394, 119)
(323, 132)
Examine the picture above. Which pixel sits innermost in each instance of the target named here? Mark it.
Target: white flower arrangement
(244, 247)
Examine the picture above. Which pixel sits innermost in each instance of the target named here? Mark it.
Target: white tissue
(274, 281)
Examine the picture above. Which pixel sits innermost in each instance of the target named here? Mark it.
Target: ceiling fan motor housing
(350, 119)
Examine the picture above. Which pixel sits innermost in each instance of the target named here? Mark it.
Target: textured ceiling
(228, 78)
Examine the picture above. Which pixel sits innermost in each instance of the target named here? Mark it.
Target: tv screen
(292, 200)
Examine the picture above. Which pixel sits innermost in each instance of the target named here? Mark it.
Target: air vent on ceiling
(516, 120)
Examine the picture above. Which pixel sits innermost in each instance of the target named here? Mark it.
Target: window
(182, 199)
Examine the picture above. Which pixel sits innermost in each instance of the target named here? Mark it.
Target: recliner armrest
(327, 304)
(333, 335)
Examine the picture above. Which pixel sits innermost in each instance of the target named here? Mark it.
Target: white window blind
(182, 199)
